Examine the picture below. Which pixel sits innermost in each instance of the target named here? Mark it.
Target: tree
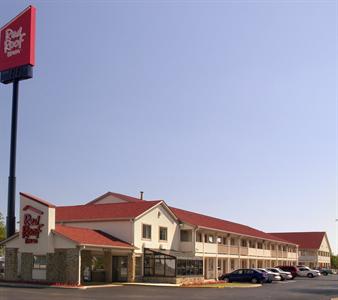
(2, 232)
(334, 261)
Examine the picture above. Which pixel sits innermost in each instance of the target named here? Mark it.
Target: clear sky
(228, 108)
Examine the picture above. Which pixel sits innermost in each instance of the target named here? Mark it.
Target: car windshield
(279, 270)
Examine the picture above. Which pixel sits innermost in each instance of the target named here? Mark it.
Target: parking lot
(324, 287)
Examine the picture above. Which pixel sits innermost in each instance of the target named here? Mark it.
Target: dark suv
(293, 270)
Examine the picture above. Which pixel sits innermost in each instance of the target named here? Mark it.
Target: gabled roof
(222, 225)
(128, 210)
(307, 240)
(90, 237)
(116, 195)
(37, 199)
(15, 235)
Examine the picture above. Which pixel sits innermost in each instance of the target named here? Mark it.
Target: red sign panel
(17, 41)
(31, 227)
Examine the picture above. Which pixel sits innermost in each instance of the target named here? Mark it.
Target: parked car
(307, 272)
(325, 271)
(272, 276)
(245, 275)
(284, 274)
(293, 270)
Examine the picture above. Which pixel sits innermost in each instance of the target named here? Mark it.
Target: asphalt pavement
(322, 288)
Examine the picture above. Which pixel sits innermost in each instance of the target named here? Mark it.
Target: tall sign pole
(17, 58)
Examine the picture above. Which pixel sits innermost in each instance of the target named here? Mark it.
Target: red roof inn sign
(31, 227)
(17, 44)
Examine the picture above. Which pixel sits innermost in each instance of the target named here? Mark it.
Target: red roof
(116, 195)
(222, 225)
(37, 199)
(306, 240)
(128, 210)
(135, 207)
(85, 236)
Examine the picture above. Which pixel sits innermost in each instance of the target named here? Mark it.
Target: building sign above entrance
(31, 227)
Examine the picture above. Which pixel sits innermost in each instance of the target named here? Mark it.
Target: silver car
(284, 275)
(273, 276)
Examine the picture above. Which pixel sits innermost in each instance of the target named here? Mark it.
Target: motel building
(314, 248)
(121, 238)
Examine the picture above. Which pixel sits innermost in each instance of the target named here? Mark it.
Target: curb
(226, 287)
(82, 287)
(27, 285)
(151, 284)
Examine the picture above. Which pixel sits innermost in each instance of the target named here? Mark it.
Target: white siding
(157, 217)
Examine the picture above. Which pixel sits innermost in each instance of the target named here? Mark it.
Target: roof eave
(15, 235)
(93, 220)
(251, 236)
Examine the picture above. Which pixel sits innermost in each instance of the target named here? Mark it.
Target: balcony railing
(234, 250)
(243, 250)
(260, 252)
(292, 255)
(223, 249)
(206, 247)
(186, 246)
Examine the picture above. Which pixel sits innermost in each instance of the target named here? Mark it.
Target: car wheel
(325, 274)
(282, 278)
(310, 275)
(254, 280)
(226, 279)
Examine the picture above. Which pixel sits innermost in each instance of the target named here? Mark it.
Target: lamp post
(17, 58)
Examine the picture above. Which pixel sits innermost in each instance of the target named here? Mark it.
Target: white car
(284, 274)
(273, 276)
(307, 272)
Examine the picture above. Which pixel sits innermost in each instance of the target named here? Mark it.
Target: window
(39, 262)
(272, 247)
(243, 243)
(259, 245)
(219, 240)
(199, 237)
(138, 266)
(210, 264)
(232, 242)
(192, 267)
(146, 232)
(224, 240)
(163, 233)
(159, 264)
(232, 264)
(211, 239)
(97, 262)
(186, 235)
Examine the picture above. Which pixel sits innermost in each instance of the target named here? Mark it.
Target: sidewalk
(79, 287)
